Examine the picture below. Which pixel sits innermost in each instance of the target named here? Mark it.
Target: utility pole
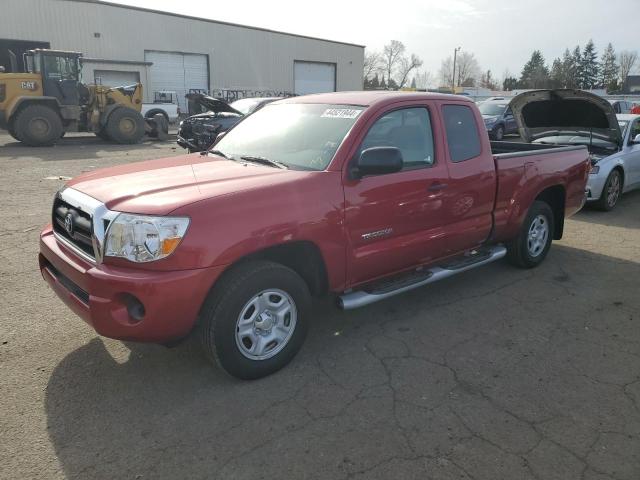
(453, 79)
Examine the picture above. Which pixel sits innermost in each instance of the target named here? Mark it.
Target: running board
(375, 293)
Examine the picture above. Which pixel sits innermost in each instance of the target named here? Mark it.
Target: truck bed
(524, 170)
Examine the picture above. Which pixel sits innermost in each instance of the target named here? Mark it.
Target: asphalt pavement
(498, 373)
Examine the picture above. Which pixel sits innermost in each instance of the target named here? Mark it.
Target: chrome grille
(73, 224)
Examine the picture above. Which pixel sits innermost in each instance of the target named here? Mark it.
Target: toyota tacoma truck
(363, 195)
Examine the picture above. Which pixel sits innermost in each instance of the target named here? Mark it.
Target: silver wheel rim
(266, 324)
(538, 235)
(613, 190)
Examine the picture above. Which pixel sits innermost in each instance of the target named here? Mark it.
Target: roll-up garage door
(177, 72)
(314, 77)
(115, 78)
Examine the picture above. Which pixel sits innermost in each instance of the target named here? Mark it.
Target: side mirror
(636, 139)
(378, 161)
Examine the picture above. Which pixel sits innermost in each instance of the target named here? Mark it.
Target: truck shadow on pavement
(498, 373)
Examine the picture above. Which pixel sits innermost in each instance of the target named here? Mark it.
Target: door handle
(437, 186)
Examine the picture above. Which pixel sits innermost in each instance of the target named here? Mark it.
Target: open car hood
(544, 113)
(212, 104)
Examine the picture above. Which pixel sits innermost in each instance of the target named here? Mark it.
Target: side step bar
(360, 298)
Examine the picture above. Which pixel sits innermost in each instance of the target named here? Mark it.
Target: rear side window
(409, 130)
(462, 132)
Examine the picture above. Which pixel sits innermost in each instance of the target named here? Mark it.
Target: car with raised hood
(361, 195)
(498, 118)
(198, 132)
(576, 117)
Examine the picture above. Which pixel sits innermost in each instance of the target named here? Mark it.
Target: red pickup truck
(363, 194)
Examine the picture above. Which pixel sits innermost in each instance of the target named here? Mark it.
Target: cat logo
(28, 85)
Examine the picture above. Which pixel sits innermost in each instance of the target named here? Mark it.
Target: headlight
(595, 169)
(142, 238)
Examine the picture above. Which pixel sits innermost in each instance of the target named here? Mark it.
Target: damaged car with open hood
(576, 117)
(198, 132)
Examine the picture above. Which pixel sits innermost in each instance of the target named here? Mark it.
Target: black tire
(519, 251)
(609, 196)
(498, 133)
(102, 134)
(225, 303)
(125, 125)
(38, 126)
(62, 134)
(12, 131)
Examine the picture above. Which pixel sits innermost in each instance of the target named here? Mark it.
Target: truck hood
(211, 104)
(157, 187)
(544, 113)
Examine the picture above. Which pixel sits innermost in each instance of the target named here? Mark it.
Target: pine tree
(383, 84)
(375, 83)
(609, 69)
(535, 73)
(578, 76)
(557, 75)
(569, 70)
(413, 83)
(589, 66)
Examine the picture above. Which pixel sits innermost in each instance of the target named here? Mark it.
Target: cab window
(409, 130)
(60, 68)
(462, 132)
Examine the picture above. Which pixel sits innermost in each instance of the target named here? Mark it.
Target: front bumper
(109, 298)
(595, 185)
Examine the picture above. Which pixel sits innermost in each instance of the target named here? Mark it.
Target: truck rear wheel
(531, 246)
(255, 319)
(38, 126)
(125, 125)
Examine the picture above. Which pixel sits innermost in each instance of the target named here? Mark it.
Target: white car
(164, 102)
(576, 117)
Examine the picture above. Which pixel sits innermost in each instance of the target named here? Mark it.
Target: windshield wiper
(217, 152)
(264, 161)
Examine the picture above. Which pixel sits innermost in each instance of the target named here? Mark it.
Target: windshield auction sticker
(340, 113)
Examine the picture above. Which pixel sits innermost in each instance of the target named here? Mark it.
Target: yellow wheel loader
(39, 106)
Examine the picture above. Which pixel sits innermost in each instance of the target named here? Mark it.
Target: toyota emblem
(68, 224)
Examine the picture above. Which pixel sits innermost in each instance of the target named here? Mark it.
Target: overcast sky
(501, 34)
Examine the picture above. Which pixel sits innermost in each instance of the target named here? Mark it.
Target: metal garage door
(177, 72)
(115, 78)
(313, 77)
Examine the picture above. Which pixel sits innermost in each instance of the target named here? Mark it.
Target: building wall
(239, 57)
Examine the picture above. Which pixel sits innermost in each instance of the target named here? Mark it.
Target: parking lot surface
(498, 373)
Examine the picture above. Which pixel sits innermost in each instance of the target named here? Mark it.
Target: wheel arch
(302, 256)
(555, 197)
(155, 111)
(22, 102)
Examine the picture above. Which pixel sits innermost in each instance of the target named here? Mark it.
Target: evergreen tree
(383, 84)
(609, 69)
(375, 83)
(510, 83)
(569, 70)
(535, 73)
(413, 83)
(557, 77)
(578, 75)
(589, 66)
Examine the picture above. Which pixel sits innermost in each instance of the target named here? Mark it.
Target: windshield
(245, 106)
(492, 108)
(300, 136)
(623, 126)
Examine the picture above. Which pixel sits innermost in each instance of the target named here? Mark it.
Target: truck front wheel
(38, 126)
(125, 125)
(531, 246)
(255, 319)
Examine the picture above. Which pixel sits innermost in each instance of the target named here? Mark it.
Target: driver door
(60, 78)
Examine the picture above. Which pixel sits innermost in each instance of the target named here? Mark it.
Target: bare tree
(627, 60)
(391, 56)
(423, 80)
(372, 64)
(446, 72)
(467, 68)
(405, 67)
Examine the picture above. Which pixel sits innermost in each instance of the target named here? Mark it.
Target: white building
(165, 51)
